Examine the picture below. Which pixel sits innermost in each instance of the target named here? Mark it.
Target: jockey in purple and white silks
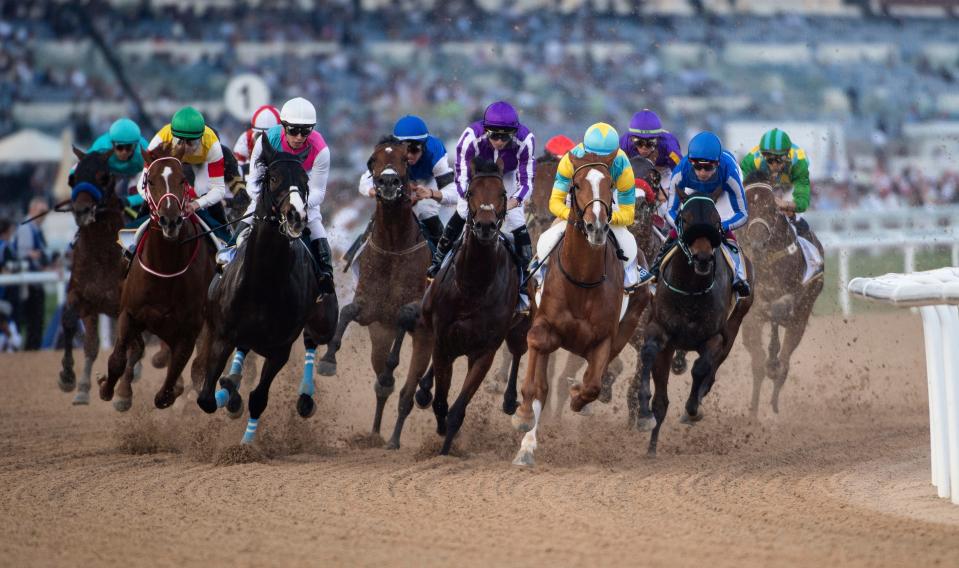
(500, 138)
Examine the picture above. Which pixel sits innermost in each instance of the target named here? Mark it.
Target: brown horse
(781, 297)
(581, 301)
(97, 272)
(469, 309)
(694, 309)
(166, 287)
(391, 276)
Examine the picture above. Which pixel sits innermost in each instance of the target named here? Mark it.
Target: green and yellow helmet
(775, 142)
(188, 124)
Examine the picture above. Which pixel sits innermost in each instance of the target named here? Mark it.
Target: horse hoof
(326, 368)
(234, 407)
(67, 381)
(383, 391)
(522, 423)
(678, 365)
(305, 406)
(82, 398)
(689, 419)
(524, 459)
(586, 410)
(423, 398)
(106, 389)
(393, 445)
(160, 358)
(645, 424)
(164, 399)
(122, 404)
(510, 406)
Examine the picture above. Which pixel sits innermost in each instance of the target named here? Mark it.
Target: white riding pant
(626, 241)
(515, 218)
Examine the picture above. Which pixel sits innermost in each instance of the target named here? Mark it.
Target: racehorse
(165, 289)
(581, 303)
(694, 309)
(391, 276)
(782, 298)
(470, 309)
(265, 296)
(97, 273)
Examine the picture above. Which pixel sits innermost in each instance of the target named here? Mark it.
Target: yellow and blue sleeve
(557, 199)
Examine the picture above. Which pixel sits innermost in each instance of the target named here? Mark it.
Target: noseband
(155, 204)
(579, 223)
(280, 197)
(388, 170)
(680, 227)
(471, 213)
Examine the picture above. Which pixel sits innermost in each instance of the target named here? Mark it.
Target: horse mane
(547, 158)
(484, 166)
(755, 176)
(262, 161)
(388, 139)
(90, 161)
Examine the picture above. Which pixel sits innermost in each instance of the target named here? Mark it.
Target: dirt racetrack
(840, 478)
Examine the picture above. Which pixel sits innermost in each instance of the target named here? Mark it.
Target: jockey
(126, 162)
(647, 138)
(429, 172)
(500, 138)
(601, 139)
(204, 155)
(295, 135)
(265, 118)
(710, 170)
(787, 168)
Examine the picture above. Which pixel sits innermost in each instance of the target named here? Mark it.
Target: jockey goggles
(414, 146)
(774, 158)
(645, 142)
(190, 143)
(704, 165)
(123, 147)
(503, 135)
(298, 129)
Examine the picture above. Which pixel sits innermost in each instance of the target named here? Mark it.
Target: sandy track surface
(840, 477)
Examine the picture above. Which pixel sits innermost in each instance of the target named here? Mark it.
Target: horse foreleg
(478, 368)
(304, 403)
(211, 357)
(586, 392)
(704, 373)
(752, 339)
(327, 365)
(161, 358)
(568, 376)
(117, 362)
(660, 374)
(516, 343)
(497, 382)
(381, 338)
(640, 415)
(405, 323)
(541, 341)
(91, 348)
(172, 386)
(533, 396)
(420, 360)
(70, 325)
(124, 392)
(791, 339)
(260, 396)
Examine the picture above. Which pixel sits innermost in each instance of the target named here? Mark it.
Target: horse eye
(273, 179)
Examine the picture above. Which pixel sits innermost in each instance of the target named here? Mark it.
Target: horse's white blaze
(296, 200)
(389, 172)
(487, 207)
(595, 176)
(166, 177)
(388, 150)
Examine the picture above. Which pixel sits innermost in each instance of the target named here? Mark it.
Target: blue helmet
(601, 138)
(124, 131)
(411, 128)
(705, 146)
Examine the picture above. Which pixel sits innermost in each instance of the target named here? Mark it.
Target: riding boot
(802, 228)
(740, 284)
(432, 230)
(454, 228)
(653, 273)
(320, 249)
(523, 246)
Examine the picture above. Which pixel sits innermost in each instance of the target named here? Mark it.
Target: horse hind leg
(124, 394)
(172, 386)
(660, 403)
(70, 325)
(641, 417)
(752, 339)
(612, 371)
(588, 391)
(305, 406)
(327, 365)
(415, 377)
(791, 339)
(117, 362)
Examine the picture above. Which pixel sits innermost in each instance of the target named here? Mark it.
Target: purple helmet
(645, 124)
(500, 114)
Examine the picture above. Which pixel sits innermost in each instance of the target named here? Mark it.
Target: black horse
(265, 297)
(694, 309)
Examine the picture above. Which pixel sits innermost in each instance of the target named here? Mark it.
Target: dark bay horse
(265, 296)
(392, 268)
(694, 309)
(782, 299)
(97, 272)
(165, 290)
(469, 309)
(581, 301)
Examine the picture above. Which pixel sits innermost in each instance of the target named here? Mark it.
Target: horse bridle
(378, 189)
(179, 201)
(279, 197)
(471, 214)
(579, 223)
(680, 225)
(790, 247)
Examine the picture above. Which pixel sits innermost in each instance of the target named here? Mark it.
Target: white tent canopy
(30, 145)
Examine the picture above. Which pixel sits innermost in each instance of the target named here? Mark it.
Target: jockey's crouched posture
(709, 170)
(601, 139)
(295, 135)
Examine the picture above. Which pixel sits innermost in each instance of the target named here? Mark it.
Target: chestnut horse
(470, 309)
(392, 268)
(265, 297)
(581, 302)
(97, 273)
(782, 299)
(165, 290)
(694, 309)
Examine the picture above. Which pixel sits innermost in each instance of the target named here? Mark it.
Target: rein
(179, 201)
(158, 274)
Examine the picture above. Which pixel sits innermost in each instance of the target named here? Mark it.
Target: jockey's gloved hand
(240, 231)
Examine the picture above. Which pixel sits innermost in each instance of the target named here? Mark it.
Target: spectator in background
(8, 255)
(31, 246)
(10, 339)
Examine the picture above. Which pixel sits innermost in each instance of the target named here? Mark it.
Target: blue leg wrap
(250, 431)
(237, 367)
(222, 397)
(306, 385)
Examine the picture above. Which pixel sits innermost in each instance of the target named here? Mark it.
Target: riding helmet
(265, 118)
(705, 146)
(124, 131)
(298, 111)
(601, 138)
(188, 123)
(558, 145)
(501, 114)
(410, 127)
(645, 124)
(775, 142)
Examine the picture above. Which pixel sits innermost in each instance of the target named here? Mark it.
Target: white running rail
(936, 293)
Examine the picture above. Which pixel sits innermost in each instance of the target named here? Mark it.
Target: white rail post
(955, 254)
(844, 281)
(909, 258)
(938, 442)
(949, 318)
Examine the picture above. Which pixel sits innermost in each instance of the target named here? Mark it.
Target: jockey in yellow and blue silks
(709, 170)
(603, 140)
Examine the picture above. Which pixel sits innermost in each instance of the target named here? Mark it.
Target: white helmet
(265, 118)
(298, 111)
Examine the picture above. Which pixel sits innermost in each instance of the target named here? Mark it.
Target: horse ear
(146, 155)
(178, 152)
(369, 165)
(78, 153)
(107, 154)
(268, 152)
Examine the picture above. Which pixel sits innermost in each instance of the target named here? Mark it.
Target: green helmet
(188, 123)
(775, 142)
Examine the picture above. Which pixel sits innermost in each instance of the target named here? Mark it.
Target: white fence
(937, 294)
(871, 221)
